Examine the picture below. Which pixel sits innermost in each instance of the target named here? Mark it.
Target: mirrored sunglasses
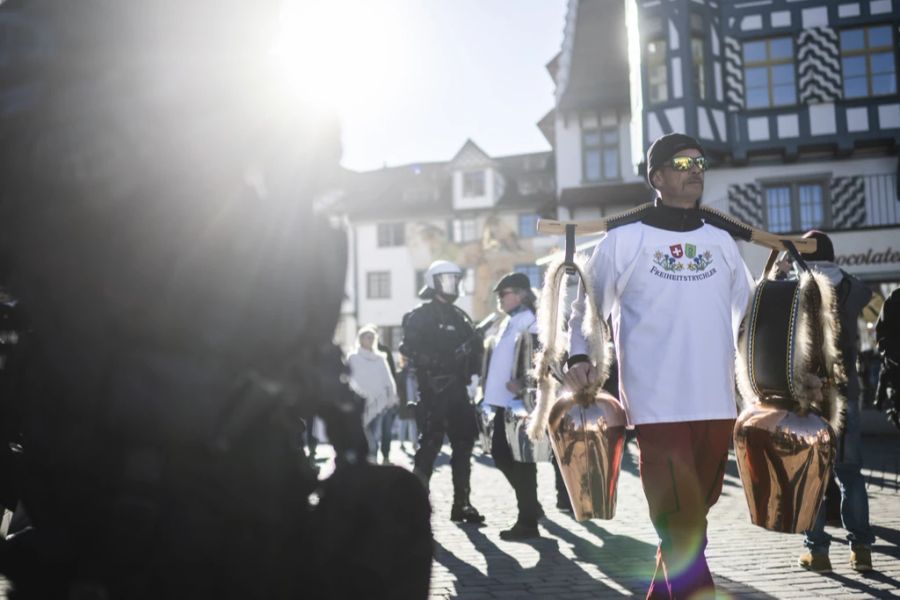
(685, 163)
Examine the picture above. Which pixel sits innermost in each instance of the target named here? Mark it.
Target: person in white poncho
(371, 378)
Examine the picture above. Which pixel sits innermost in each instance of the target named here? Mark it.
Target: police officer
(515, 298)
(445, 350)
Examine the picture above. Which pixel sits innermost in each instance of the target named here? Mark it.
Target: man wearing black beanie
(676, 288)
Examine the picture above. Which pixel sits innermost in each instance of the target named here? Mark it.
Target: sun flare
(339, 55)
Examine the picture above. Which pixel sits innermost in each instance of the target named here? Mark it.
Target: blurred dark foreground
(173, 295)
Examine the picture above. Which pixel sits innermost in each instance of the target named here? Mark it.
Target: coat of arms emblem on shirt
(697, 261)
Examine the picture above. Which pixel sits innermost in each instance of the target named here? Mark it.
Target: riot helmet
(442, 277)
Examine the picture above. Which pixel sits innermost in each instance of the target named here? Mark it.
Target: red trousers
(682, 470)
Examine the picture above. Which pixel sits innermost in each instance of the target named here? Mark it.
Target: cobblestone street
(608, 559)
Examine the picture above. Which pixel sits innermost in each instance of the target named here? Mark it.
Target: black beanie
(824, 247)
(518, 281)
(665, 147)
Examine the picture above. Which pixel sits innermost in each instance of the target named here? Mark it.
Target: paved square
(611, 559)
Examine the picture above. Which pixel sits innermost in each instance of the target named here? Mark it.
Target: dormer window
(473, 184)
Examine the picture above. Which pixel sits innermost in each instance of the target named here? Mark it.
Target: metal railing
(882, 200)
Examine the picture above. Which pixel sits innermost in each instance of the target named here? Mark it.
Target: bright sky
(412, 79)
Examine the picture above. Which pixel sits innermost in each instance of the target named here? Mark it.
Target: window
(812, 208)
(600, 153)
(795, 206)
(657, 74)
(769, 73)
(534, 272)
(778, 208)
(391, 234)
(528, 225)
(378, 285)
(867, 61)
(463, 230)
(473, 184)
(699, 67)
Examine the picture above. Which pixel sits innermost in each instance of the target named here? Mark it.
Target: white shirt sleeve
(601, 272)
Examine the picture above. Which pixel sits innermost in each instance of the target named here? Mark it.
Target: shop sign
(868, 252)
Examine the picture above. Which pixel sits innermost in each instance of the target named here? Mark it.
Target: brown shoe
(861, 559)
(818, 563)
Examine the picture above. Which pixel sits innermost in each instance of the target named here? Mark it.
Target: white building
(476, 210)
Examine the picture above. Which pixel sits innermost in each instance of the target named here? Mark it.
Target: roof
(471, 155)
(423, 189)
(414, 190)
(547, 125)
(600, 195)
(597, 63)
(553, 66)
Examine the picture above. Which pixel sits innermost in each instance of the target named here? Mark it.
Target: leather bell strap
(569, 260)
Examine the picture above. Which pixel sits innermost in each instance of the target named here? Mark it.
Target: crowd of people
(683, 417)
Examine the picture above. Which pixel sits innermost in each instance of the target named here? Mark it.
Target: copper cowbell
(784, 460)
(588, 439)
(784, 450)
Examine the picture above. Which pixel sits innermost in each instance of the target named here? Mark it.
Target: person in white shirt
(676, 289)
(515, 298)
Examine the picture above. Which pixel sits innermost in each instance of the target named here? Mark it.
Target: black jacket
(440, 339)
(887, 328)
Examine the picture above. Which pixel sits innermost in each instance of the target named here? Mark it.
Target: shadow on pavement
(626, 560)
(482, 458)
(862, 586)
(891, 536)
(728, 588)
(551, 577)
(614, 557)
(887, 482)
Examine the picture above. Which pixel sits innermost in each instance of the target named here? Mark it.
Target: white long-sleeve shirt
(676, 299)
(500, 369)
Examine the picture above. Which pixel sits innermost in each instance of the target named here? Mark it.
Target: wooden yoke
(735, 227)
